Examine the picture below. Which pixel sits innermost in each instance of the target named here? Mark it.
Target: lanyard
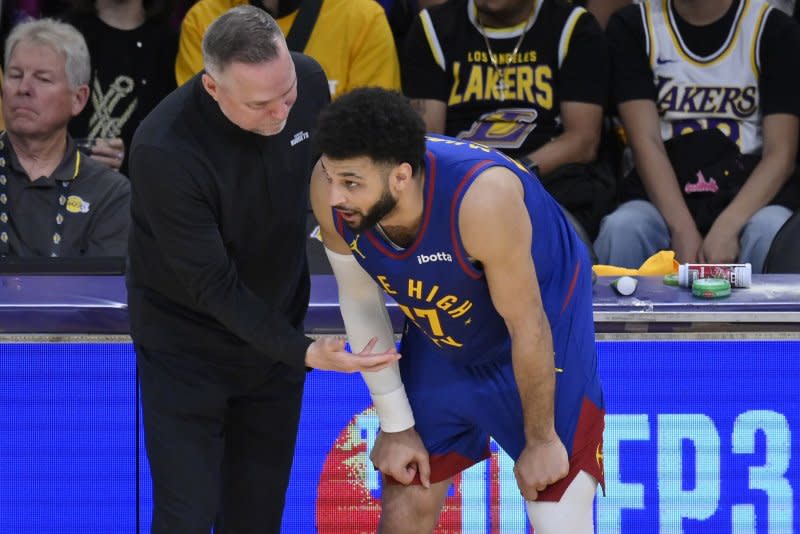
(62, 192)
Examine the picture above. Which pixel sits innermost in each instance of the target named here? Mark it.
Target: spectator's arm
(190, 50)
(583, 92)
(780, 133)
(433, 112)
(579, 141)
(779, 80)
(635, 94)
(374, 56)
(643, 131)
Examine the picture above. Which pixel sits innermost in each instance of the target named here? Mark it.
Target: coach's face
(359, 190)
(256, 97)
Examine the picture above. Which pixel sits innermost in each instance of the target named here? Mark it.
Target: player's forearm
(534, 371)
(364, 314)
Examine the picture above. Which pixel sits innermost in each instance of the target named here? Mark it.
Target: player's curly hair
(372, 122)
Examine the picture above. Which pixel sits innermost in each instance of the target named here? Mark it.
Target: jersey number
(727, 126)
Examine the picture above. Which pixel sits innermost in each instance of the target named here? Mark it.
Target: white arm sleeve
(364, 312)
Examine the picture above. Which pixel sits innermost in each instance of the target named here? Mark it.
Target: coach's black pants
(220, 440)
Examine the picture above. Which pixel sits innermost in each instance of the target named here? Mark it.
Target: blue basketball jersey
(440, 290)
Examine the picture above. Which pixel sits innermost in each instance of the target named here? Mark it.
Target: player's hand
(328, 353)
(541, 463)
(401, 455)
(109, 151)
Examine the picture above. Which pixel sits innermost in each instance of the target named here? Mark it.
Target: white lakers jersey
(716, 91)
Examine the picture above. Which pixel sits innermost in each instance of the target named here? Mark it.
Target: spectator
(351, 40)
(53, 201)
(529, 78)
(132, 49)
(700, 195)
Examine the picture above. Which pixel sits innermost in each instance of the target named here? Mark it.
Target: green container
(671, 279)
(711, 288)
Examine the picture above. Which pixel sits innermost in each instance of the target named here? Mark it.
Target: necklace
(500, 84)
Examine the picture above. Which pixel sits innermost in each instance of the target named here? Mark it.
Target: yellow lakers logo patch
(76, 204)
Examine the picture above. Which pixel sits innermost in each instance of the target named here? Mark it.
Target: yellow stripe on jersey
(433, 39)
(716, 57)
(755, 50)
(566, 33)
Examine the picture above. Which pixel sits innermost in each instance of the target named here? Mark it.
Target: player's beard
(378, 211)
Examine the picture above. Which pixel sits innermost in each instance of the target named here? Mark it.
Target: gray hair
(244, 34)
(61, 37)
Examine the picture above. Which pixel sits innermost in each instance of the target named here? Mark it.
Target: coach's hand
(402, 455)
(541, 463)
(328, 353)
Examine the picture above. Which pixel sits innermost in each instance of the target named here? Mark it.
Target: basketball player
(496, 287)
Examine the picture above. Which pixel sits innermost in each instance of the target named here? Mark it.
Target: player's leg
(441, 396)
(579, 424)
(411, 509)
(573, 513)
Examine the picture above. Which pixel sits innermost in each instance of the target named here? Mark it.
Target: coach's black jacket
(217, 264)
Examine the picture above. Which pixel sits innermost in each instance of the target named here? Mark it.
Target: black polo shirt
(94, 205)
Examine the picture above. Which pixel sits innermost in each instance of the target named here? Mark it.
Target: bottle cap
(743, 275)
(711, 288)
(625, 285)
(671, 279)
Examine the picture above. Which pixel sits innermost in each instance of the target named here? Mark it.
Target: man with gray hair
(53, 200)
(218, 280)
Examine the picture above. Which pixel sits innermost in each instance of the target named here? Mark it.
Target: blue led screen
(701, 437)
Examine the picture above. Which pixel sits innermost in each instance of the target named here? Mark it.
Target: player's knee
(410, 510)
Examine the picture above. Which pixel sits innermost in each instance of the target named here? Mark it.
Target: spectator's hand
(687, 243)
(109, 151)
(328, 353)
(721, 245)
(541, 463)
(401, 455)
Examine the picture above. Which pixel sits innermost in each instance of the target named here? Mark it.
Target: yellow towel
(659, 264)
